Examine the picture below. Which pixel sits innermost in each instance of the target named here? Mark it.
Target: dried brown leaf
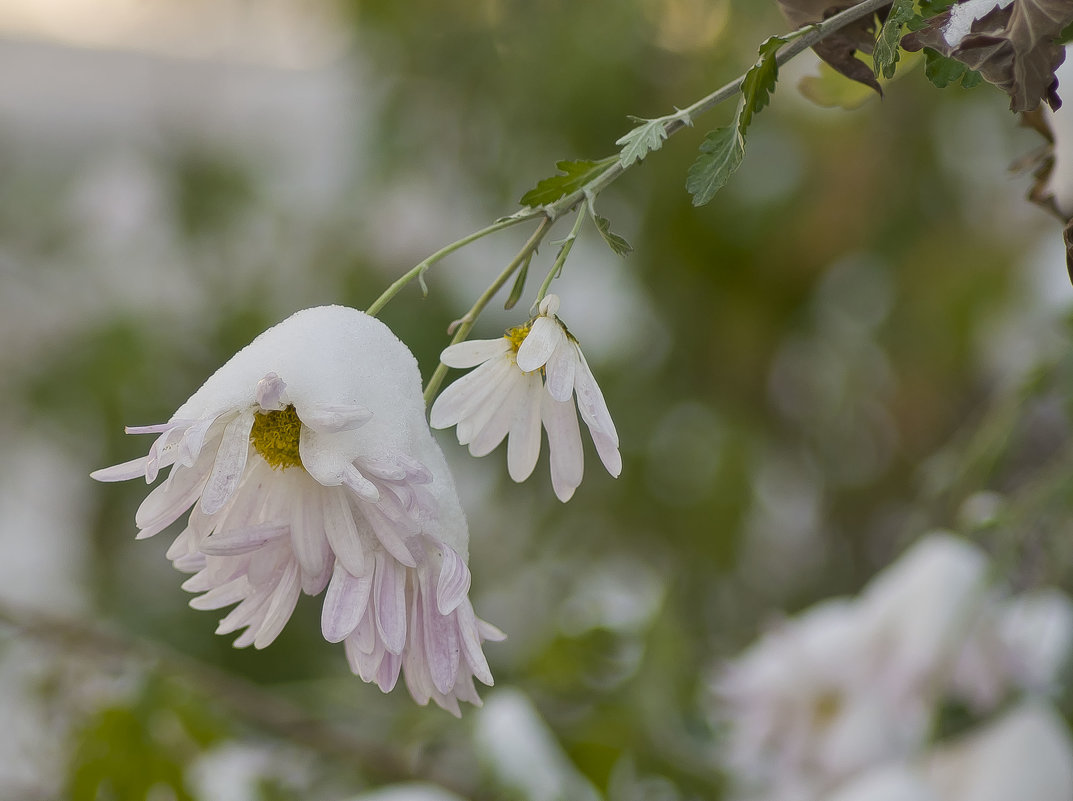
(839, 50)
(1014, 48)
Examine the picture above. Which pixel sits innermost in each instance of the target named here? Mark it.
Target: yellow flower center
(275, 435)
(516, 336)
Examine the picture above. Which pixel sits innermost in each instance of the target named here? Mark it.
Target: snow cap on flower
(529, 377)
(309, 466)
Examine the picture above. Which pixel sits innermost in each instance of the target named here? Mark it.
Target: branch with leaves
(1016, 48)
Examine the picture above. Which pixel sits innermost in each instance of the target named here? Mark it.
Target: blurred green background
(865, 330)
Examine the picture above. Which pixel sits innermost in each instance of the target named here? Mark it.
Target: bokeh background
(862, 338)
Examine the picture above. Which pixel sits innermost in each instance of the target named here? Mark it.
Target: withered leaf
(1068, 235)
(1015, 48)
(840, 49)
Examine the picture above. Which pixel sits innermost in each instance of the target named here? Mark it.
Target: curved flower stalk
(309, 467)
(528, 377)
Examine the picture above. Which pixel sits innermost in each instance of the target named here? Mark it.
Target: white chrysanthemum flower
(528, 377)
(852, 683)
(309, 465)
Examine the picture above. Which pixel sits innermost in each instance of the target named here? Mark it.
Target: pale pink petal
(230, 464)
(230, 593)
(308, 540)
(342, 532)
(392, 534)
(452, 585)
(541, 341)
(470, 640)
(564, 446)
(166, 503)
(359, 484)
(390, 595)
(441, 644)
(523, 443)
(235, 541)
(387, 675)
(474, 352)
(280, 608)
(345, 603)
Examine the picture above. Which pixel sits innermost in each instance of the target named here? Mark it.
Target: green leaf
(721, 154)
(759, 81)
(943, 71)
(613, 240)
(576, 175)
(519, 283)
(723, 149)
(642, 140)
(887, 50)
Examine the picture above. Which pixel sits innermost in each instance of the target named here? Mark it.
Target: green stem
(560, 260)
(683, 118)
(416, 272)
(465, 323)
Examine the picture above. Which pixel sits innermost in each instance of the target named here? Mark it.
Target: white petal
(308, 540)
(499, 423)
(560, 370)
(470, 639)
(224, 595)
(236, 541)
(135, 468)
(230, 464)
(193, 440)
(593, 409)
(342, 532)
(543, 338)
(494, 395)
(359, 484)
(550, 305)
(461, 398)
(523, 444)
(166, 503)
(474, 352)
(564, 446)
(280, 608)
(345, 603)
(392, 534)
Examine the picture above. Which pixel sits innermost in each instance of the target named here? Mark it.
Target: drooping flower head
(528, 377)
(308, 465)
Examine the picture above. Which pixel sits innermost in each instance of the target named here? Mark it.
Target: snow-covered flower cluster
(526, 378)
(307, 466)
(853, 686)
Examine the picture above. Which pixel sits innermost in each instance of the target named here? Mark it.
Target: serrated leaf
(885, 55)
(759, 82)
(575, 175)
(519, 284)
(721, 154)
(619, 245)
(641, 141)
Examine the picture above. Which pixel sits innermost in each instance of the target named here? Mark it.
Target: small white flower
(528, 377)
(309, 466)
